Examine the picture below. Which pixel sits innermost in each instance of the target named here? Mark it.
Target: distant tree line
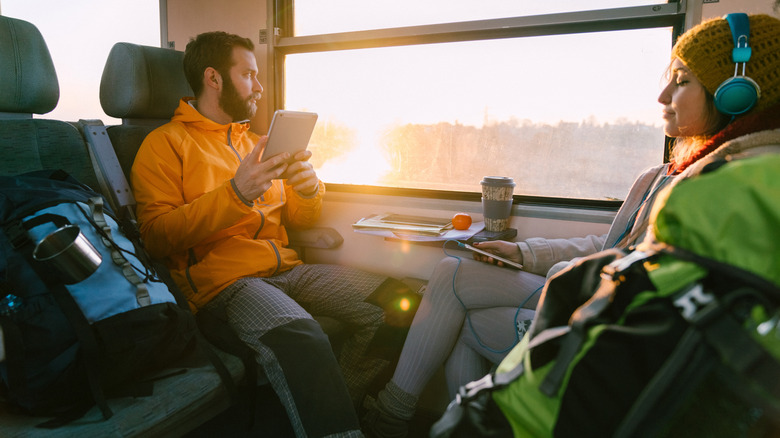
(580, 160)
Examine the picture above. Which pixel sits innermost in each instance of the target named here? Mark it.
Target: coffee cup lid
(502, 181)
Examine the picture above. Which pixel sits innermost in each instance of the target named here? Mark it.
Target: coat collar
(186, 113)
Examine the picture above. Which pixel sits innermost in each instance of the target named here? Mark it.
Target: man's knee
(302, 336)
(313, 377)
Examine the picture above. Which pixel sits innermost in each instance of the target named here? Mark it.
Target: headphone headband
(740, 33)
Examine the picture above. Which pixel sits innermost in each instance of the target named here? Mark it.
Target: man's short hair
(211, 49)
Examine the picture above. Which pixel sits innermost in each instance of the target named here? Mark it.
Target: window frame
(671, 14)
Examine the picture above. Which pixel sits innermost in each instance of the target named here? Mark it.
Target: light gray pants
(467, 318)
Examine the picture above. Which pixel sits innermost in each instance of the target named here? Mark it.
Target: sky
(489, 80)
(544, 79)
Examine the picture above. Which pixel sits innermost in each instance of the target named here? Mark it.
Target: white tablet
(290, 131)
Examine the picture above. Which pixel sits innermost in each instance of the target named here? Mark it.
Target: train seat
(30, 86)
(180, 402)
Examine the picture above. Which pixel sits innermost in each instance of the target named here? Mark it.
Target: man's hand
(301, 175)
(253, 178)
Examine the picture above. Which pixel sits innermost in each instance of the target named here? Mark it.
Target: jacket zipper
(230, 143)
(262, 216)
(192, 260)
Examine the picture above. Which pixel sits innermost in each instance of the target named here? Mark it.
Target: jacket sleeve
(300, 211)
(168, 223)
(540, 254)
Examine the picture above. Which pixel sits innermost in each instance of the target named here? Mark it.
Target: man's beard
(232, 104)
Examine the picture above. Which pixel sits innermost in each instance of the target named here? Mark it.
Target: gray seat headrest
(28, 81)
(142, 82)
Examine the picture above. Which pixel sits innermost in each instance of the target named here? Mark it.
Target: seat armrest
(316, 237)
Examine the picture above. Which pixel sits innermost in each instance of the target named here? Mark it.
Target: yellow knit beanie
(706, 50)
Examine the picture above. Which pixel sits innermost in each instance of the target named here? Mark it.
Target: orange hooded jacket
(190, 215)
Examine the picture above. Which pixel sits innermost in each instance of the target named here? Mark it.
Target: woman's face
(684, 98)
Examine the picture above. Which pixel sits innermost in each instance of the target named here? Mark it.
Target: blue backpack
(84, 314)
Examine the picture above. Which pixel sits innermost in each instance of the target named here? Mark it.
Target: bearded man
(217, 216)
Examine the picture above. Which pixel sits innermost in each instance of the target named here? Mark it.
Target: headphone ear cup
(737, 95)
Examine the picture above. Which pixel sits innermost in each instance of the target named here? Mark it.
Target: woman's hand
(502, 248)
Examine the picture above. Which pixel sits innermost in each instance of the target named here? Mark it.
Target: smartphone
(290, 131)
(505, 261)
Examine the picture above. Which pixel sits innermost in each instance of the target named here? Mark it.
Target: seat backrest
(141, 85)
(29, 86)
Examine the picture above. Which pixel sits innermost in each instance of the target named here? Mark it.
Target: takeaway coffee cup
(497, 201)
(69, 252)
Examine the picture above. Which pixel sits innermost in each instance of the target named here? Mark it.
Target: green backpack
(680, 338)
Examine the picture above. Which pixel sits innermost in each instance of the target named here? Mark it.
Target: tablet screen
(290, 132)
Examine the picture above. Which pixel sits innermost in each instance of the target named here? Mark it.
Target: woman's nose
(665, 97)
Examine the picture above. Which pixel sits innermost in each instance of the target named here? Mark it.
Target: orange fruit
(461, 221)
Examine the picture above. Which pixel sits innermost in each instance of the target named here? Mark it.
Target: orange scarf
(762, 121)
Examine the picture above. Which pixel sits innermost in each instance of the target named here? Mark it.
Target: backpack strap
(688, 350)
(14, 351)
(612, 276)
(214, 330)
(156, 268)
(742, 354)
(57, 220)
(732, 342)
(89, 350)
(473, 404)
(10, 304)
(142, 291)
(712, 329)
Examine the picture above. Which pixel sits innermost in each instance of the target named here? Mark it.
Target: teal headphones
(738, 94)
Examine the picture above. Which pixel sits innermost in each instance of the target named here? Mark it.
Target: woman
(473, 312)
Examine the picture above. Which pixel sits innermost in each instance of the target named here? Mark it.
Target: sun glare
(363, 165)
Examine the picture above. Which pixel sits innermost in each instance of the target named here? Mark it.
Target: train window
(565, 103)
(363, 15)
(80, 35)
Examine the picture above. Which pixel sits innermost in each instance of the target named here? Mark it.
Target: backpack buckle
(697, 305)
(615, 268)
(17, 235)
(472, 389)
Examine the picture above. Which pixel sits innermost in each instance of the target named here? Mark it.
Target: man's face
(241, 89)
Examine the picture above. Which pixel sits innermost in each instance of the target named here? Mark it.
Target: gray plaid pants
(254, 306)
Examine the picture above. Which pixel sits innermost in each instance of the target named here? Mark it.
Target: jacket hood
(185, 113)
